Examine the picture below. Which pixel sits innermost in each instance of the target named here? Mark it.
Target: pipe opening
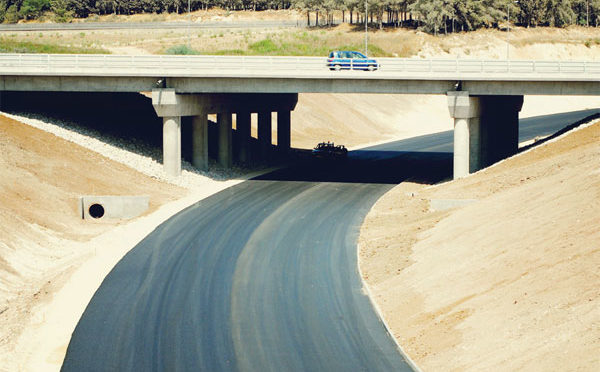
(96, 210)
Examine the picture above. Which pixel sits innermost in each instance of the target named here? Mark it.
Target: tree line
(434, 16)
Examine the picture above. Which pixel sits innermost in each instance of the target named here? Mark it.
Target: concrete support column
(467, 134)
(200, 141)
(467, 146)
(284, 119)
(172, 145)
(243, 133)
(264, 133)
(225, 154)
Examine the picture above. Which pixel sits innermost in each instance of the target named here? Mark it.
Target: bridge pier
(171, 106)
(265, 138)
(172, 145)
(200, 141)
(284, 119)
(243, 120)
(225, 149)
(486, 130)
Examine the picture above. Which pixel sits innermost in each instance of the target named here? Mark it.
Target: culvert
(96, 210)
(101, 208)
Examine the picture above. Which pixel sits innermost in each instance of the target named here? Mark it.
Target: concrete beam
(200, 141)
(462, 105)
(225, 154)
(392, 85)
(168, 102)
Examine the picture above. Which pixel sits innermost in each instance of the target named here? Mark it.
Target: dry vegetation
(525, 43)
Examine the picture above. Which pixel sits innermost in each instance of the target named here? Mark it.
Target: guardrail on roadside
(197, 65)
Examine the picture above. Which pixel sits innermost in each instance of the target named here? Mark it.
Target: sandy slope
(508, 283)
(42, 177)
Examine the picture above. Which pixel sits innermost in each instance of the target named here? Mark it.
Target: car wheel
(372, 68)
(337, 67)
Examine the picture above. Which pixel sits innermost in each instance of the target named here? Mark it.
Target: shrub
(12, 14)
(181, 50)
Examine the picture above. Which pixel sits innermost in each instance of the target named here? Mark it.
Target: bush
(181, 50)
(266, 46)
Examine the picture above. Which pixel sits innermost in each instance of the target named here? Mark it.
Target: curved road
(262, 276)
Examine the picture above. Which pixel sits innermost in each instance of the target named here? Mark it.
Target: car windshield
(359, 55)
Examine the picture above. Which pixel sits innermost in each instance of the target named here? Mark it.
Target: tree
(433, 13)
(61, 11)
(82, 8)
(559, 13)
(32, 9)
(532, 12)
(12, 14)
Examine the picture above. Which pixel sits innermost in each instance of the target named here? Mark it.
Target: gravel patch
(135, 154)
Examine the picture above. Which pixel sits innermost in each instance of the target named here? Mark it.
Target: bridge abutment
(486, 130)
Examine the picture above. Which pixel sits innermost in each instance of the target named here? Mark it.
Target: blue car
(348, 60)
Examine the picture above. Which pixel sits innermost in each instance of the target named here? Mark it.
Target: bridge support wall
(486, 130)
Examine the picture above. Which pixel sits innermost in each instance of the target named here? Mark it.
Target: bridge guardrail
(199, 65)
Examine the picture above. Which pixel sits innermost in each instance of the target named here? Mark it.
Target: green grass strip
(12, 46)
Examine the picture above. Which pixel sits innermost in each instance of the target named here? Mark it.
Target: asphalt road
(80, 26)
(262, 276)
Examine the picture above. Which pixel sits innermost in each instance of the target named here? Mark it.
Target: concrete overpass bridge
(484, 97)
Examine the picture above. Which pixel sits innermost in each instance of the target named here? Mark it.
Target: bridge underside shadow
(379, 167)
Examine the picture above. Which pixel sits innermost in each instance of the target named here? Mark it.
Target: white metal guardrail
(153, 65)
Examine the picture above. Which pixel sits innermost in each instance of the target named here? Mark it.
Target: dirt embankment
(509, 282)
(42, 178)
